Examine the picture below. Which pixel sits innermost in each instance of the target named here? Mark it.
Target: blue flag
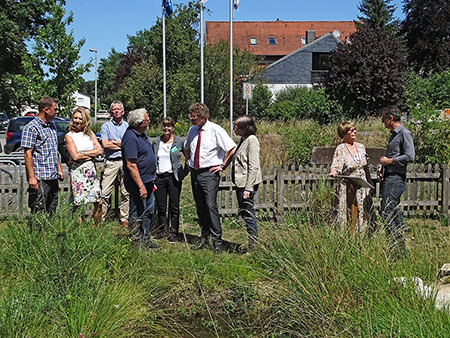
(168, 7)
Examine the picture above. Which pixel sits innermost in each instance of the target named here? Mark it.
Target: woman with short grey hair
(136, 117)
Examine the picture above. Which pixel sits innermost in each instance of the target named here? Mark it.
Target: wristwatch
(222, 167)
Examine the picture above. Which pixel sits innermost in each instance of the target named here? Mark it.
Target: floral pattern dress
(348, 164)
(85, 183)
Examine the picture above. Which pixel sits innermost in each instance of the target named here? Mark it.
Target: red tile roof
(288, 34)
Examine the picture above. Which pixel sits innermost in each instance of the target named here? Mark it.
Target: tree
(57, 54)
(19, 23)
(368, 73)
(107, 71)
(142, 89)
(378, 14)
(217, 77)
(427, 31)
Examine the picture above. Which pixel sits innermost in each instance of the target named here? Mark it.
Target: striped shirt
(42, 139)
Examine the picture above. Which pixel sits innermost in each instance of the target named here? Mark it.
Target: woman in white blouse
(83, 147)
(169, 176)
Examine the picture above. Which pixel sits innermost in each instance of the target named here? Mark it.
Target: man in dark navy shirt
(392, 174)
(139, 166)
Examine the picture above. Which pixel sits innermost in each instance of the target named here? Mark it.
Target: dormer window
(253, 42)
(272, 42)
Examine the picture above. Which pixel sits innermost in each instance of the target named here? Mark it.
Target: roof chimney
(310, 36)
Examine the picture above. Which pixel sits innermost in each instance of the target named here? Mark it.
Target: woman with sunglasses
(353, 201)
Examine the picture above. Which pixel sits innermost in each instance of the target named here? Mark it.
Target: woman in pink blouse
(353, 201)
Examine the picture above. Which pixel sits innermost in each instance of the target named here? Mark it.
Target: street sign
(247, 91)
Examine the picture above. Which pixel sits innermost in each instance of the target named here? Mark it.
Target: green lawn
(305, 279)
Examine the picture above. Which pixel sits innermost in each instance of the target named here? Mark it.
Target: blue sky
(105, 24)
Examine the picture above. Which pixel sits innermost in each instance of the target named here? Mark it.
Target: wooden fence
(283, 188)
(297, 188)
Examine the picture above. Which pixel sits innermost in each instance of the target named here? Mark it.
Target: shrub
(260, 101)
(304, 103)
(283, 110)
(424, 100)
(431, 138)
(302, 138)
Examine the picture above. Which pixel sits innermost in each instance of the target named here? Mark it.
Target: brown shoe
(124, 224)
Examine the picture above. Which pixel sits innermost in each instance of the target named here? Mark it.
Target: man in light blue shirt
(111, 137)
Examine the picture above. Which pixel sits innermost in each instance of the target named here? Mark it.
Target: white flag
(236, 4)
(203, 1)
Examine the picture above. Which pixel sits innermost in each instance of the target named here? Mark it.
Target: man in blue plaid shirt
(40, 143)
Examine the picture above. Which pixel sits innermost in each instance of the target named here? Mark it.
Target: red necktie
(197, 151)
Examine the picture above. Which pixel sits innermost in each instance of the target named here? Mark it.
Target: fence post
(445, 189)
(20, 193)
(280, 184)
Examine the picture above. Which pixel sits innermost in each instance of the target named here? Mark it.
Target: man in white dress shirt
(207, 146)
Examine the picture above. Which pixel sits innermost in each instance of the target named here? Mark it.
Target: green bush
(431, 138)
(302, 138)
(309, 104)
(425, 98)
(432, 92)
(260, 101)
(283, 110)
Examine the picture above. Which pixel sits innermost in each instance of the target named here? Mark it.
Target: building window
(253, 42)
(320, 61)
(272, 42)
(303, 40)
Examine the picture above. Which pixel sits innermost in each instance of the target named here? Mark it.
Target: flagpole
(202, 95)
(231, 68)
(164, 57)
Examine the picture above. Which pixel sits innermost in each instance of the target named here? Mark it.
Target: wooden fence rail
(296, 188)
(282, 189)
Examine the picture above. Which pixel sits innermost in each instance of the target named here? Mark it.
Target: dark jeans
(247, 212)
(204, 188)
(168, 187)
(43, 199)
(393, 188)
(141, 211)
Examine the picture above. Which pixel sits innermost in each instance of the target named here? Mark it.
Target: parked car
(103, 114)
(3, 121)
(16, 125)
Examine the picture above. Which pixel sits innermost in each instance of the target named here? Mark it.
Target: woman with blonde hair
(83, 147)
(353, 201)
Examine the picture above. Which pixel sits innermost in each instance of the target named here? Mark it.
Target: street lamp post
(95, 97)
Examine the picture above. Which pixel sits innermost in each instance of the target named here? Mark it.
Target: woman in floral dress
(353, 201)
(83, 147)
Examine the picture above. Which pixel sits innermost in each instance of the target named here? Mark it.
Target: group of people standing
(153, 169)
(354, 205)
(147, 169)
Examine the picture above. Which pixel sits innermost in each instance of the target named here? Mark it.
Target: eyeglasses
(352, 130)
(145, 121)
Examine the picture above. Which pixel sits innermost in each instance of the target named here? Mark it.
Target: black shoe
(172, 238)
(147, 245)
(159, 235)
(203, 243)
(218, 247)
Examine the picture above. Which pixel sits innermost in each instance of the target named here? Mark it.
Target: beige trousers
(114, 169)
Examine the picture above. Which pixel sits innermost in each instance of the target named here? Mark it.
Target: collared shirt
(42, 139)
(136, 146)
(214, 144)
(401, 149)
(113, 131)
